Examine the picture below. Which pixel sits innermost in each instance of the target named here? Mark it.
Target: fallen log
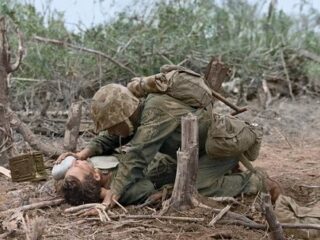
(31, 138)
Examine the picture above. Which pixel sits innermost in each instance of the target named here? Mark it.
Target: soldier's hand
(109, 199)
(63, 156)
(84, 154)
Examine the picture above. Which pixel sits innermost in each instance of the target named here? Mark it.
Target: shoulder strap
(168, 68)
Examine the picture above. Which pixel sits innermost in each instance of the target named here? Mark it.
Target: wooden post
(72, 127)
(276, 232)
(184, 191)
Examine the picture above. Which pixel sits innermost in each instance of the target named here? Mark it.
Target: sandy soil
(290, 154)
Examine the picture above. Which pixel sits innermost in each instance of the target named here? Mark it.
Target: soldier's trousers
(215, 179)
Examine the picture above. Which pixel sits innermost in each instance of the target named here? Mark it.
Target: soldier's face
(80, 169)
(121, 130)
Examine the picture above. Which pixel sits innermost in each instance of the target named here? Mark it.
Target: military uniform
(159, 130)
(214, 178)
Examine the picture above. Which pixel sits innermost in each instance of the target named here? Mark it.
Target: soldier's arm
(105, 144)
(156, 126)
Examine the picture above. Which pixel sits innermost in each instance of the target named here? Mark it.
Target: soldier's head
(111, 108)
(81, 184)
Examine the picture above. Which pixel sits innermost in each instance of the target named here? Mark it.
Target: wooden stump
(276, 232)
(72, 127)
(184, 195)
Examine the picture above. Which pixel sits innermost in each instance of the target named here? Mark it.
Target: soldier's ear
(96, 175)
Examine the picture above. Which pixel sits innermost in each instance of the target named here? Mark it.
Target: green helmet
(112, 104)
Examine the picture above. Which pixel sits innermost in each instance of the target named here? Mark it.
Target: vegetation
(258, 45)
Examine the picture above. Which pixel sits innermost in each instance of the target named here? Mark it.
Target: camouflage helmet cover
(111, 105)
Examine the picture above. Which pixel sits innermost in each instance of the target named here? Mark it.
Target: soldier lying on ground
(151, 126)
(88, 181)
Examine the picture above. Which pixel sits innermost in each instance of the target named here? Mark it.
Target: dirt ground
(290, 154)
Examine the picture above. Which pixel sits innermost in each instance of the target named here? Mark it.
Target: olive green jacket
(159, 131)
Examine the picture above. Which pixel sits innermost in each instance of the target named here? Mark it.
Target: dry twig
(219, 215)
(81, 207)
(189, 219)
(119, 205)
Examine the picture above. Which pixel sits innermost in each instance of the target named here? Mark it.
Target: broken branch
(42, 204)
(65, 44)
(287, 75)
(220, 215)
(164, 217)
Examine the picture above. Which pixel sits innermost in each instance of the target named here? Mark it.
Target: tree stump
(276, 231)
(72, 127)
(184, 195)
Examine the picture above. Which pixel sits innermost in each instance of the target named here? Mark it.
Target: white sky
(91, 12)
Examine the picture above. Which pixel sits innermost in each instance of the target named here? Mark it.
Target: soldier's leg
(162, 170)
(138, 192)
(216, 179)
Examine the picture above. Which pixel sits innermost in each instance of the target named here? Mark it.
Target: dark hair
(76, 192)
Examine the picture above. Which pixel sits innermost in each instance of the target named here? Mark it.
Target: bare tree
(6, 67)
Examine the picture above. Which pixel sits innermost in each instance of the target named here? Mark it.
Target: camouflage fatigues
(177, 82)
(140, 171)
(214, 179)
(214, 176)
(158, 131)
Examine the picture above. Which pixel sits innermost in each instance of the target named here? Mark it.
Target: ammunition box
(27, 167)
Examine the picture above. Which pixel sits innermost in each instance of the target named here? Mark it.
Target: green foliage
(173, 31)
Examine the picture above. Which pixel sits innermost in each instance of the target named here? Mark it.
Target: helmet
(112, 104)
